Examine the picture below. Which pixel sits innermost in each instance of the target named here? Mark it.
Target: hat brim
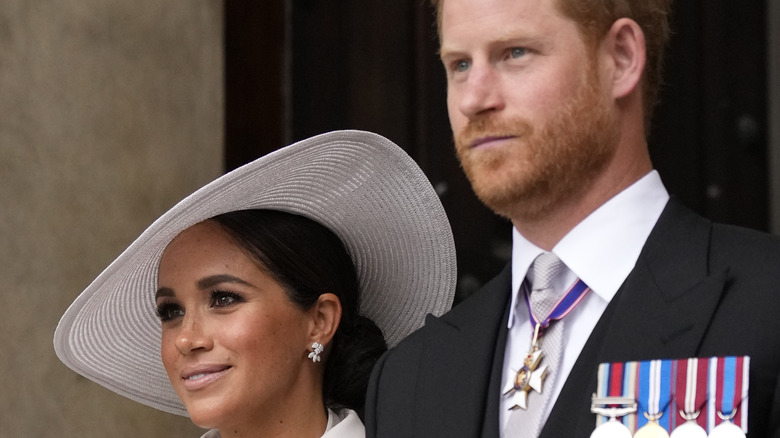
(360, 185)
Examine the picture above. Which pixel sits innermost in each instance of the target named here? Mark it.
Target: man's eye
(517, 52)
(462, 66)
(224, 299)
(169, 311)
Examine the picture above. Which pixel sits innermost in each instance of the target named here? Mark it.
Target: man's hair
(595, 17)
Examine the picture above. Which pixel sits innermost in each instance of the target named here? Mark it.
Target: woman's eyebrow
(213, 280)
(203, 283)
(163, 292)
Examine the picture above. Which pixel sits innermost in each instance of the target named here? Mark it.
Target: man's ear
(326, 316)
(624, 46)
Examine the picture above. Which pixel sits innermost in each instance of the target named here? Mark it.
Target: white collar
(344, 423)
(603, 248)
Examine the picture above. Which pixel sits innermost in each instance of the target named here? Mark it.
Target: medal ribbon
(654, 391)
(565, 305)
(691, 388)
(650, 383)
(619, 380)
(611, 381)
(731, 389)
(719, 383)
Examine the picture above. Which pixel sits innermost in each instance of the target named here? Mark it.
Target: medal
(731, 393)
(653, 394)
(678, 396)
(727, 429)
(612, 407)
(692, 387)
(611, 429)
(530, 376)
(652, 429)
(616, 385)
(689, 429)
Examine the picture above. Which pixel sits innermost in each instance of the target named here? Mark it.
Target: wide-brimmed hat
(360, 185)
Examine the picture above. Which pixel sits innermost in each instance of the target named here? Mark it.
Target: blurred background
(111, 111)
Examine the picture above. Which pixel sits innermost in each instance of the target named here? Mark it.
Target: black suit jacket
(698, 290)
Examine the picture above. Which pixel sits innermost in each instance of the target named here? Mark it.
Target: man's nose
(480, 93)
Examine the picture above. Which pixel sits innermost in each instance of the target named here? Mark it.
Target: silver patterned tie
(526, 423)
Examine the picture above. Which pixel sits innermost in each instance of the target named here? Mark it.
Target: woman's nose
(193, 335)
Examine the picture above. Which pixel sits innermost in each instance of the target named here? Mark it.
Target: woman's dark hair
(308, 259)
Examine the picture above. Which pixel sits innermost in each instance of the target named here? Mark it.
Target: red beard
(541, 168)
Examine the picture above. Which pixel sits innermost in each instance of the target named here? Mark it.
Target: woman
(258, 304)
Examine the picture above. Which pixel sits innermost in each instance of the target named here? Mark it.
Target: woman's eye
(224, 299)
(517, 52)
(169, 311)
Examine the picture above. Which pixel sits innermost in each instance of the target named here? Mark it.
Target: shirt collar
(603, 248)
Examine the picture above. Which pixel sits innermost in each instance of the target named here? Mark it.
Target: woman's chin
(207, 417)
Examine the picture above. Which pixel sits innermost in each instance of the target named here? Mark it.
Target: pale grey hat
(360, 185)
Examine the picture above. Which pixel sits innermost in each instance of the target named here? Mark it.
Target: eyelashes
(222, 299)
(170, 309)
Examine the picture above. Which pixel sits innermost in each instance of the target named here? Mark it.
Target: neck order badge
(531, 375)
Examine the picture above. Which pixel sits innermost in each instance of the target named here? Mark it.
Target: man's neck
(547, 230)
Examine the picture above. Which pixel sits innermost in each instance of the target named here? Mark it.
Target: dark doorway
(300, 68)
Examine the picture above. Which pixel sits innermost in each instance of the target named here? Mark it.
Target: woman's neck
(308, 421)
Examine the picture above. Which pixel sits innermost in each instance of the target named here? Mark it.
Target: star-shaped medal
(529, 377)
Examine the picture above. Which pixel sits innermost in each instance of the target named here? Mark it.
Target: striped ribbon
(692, 390)
(666, 387)
(566, 304)
(728, 381)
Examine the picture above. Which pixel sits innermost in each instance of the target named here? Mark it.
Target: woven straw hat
(360, 185)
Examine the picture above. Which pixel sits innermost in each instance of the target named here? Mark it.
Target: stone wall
(110, 112)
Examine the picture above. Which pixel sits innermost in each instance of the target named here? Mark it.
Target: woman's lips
(196, 378)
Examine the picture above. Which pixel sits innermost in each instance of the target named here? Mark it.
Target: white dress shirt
(601, 250)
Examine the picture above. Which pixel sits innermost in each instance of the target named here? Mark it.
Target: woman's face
(233, 344)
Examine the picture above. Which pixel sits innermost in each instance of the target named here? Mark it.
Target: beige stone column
(110, 112)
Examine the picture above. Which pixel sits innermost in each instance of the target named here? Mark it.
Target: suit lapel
(664, 307)
(662, 311)
(458, 362)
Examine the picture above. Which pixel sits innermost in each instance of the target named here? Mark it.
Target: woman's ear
(625, 49)
(326, 316)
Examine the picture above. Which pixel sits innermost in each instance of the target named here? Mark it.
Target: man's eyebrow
(511, 38)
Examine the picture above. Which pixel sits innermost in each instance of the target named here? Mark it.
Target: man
(549, 102)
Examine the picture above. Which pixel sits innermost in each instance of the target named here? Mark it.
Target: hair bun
(355, 351)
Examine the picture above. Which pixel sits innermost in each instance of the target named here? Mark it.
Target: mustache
(492, 127)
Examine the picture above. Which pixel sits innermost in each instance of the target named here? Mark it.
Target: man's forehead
(497, 20)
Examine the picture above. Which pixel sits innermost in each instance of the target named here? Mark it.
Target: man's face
(532, 124)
